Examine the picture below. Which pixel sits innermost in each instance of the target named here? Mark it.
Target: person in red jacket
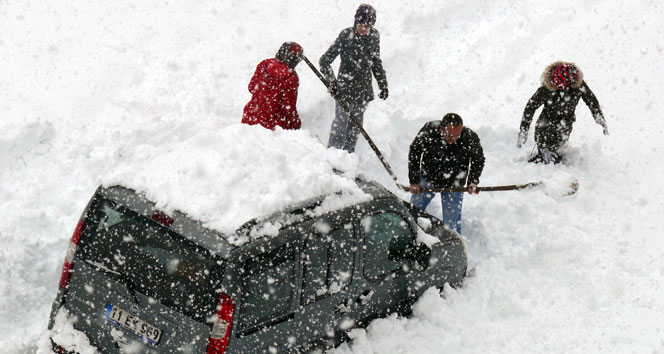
(274, 90)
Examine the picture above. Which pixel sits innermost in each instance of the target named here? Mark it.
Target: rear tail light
(223, 324)
(71, 252)
(57, 349)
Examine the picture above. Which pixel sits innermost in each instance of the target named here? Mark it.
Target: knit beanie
(365, 15)
(290, 53)
(564, 75)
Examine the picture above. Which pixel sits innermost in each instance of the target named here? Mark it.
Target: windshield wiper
(130, 286)
(121, 276)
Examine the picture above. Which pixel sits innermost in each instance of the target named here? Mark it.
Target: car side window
(328, 263)
(268, 286)
(386, 238)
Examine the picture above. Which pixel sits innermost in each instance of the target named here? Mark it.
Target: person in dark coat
(562, 87)
(274, 90)
(359, 50)
(445, 154)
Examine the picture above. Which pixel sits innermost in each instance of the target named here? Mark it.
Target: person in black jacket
(562, 87)
(445, 154)
(358, 47)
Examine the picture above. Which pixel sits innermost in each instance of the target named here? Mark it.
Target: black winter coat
(442, 164)
(554, 124)
(360, 57)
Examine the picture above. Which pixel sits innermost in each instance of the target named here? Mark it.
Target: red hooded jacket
(274, 96)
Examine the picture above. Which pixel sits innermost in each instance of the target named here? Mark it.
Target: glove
(384, 93)
(472, 189)
(333, 88)
(599, 118)
(523, 136)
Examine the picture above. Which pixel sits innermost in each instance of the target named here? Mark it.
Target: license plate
(133, 324)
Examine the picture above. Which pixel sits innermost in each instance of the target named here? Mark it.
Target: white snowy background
(91, 91)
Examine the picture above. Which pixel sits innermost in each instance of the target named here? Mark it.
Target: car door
(385, 234)
(329, 254)
(268, 293)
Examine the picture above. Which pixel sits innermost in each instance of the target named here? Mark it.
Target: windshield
(152, 260)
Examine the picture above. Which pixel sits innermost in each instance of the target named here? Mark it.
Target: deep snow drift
(90, 91)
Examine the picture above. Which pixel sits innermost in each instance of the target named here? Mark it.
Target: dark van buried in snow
(137, 280)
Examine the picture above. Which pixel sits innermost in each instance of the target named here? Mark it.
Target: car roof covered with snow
(252, 174)
(222, 243)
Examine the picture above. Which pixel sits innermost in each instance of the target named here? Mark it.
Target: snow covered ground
(90, 91)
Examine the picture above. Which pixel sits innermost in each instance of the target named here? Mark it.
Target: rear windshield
(152, 260)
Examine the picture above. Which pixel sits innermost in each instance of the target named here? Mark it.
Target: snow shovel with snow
(564, 190)
(364, 133)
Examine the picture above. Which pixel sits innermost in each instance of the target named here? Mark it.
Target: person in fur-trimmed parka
(562, 87)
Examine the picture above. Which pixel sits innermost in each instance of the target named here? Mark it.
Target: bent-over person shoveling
(445, 154)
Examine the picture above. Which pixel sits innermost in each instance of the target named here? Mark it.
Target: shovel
(352, 118)
(564, 189)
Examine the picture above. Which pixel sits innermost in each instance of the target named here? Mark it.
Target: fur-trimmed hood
(546, 76)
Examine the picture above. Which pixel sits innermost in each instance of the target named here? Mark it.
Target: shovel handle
(508, 187)
(315, 70)
(364, 133)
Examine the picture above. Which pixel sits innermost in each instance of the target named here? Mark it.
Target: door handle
(365, 296)
(343, 307)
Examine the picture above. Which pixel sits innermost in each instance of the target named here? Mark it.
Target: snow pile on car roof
(228, 176)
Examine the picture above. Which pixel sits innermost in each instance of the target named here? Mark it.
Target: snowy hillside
(92, 91)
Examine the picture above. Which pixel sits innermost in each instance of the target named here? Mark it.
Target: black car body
(136, 279)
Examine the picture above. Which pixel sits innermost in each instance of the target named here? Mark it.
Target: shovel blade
(561, 187)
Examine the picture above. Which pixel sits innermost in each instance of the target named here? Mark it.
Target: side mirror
(398, 248)
(408, 249)
(419, 253)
